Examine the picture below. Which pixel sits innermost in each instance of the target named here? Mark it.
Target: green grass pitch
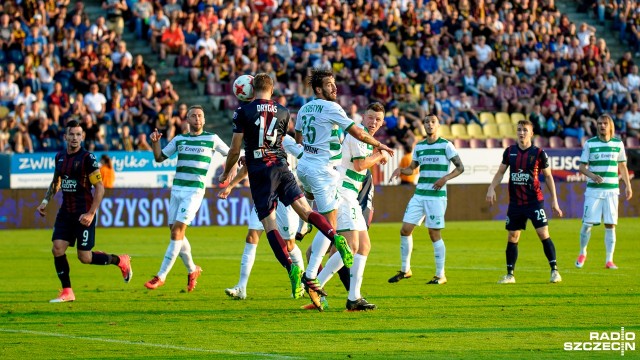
(470, 317)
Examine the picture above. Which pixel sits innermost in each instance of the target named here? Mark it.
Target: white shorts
(286, 218)
(350, 216)
(322, 183)
(432, 209)
(597, 209)
(184, 205)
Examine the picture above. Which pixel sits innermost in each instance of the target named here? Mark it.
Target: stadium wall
(144, 207)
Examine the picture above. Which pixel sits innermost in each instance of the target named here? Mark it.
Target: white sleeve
(341, 119)
(622, 156)
(451, 151)
(298, 122)
(357, 149)
(220, 146)
(584, 157)
(170, 149)
(291, 147)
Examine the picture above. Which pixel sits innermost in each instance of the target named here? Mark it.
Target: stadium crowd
(456, 59)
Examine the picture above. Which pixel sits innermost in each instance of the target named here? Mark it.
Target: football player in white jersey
(317, 129)
(286, 218)
(602, 158)
(195, 151)
(357, 158)
(429, 203)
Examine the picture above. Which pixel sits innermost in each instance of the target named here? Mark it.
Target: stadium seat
(507, 130)
(445, 132)
(515, 117)
(475, 131)
(503, 118)
(487, 118)
(571, 142)
(459, 131)
(633, 142)
(491, 131)
(556, 142)
(453, 90)
(461, 143)
(493, 143)
(506, 142)
(477, 143)
(541, 141)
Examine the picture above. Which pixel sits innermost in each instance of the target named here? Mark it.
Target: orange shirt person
(107, 172)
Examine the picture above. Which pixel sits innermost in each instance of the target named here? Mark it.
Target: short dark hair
(376, 106)
(72, 124)
(317, 77)
(262, 82)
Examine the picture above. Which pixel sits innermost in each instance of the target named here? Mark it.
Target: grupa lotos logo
(605, 341)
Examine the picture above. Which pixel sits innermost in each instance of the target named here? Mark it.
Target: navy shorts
(517, 216)
(270, 184)
(68, 228)
(365, 198)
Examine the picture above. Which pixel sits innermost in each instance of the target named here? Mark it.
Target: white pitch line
(161, 346)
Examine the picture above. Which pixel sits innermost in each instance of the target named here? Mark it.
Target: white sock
(173, 250)
(330, 268)
(302, 225)
(585, 235)
(357, 273)
(248, 258)
(296, 257)
(185, 255)
(319, 248)
(406, 247)
(439, 252)
(610, 243)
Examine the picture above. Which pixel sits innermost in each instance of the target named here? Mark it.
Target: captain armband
(95, 178)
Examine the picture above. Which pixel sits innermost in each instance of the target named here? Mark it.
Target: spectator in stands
(465, 114)
(93, 137)
(507, 96)
(488, 83)
(25, 97)
(107, 172)
(381, 92)
(172, 41)
(157, 24)
(4, 135)
(115, 14)
(632, 119)
(538, 120)
(410, 66)
(126, 139)
(96, 104)
(9, 90)
(59, 103)
(554, 125)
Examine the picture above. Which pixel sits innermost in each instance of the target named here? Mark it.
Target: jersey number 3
(271, 135)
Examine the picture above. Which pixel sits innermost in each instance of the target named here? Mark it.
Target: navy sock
(345, 276)
(322, 224)
(100, 258)
(279, 248)
(550, 252)
(512, 256)
(62, 268)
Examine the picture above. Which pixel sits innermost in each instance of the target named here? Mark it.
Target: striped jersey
(602, 159)
(353, 149)
(320, 122)
(434, 162)
(524, 169)
(194, 157)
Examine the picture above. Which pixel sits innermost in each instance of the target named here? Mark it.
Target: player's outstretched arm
(52, 190)
(404, 171)
(551, 187)
(242, 173)
(363, 136)
(497, 178)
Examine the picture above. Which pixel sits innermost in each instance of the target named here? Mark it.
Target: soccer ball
(243, 88)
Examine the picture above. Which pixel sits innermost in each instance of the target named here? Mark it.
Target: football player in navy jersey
(76, 171)
(526, 201)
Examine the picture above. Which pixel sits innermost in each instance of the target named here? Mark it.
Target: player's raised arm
(405, 171)
(155, 145)
(51, 191)
(240, 175)
(363, 136)
(232, 156)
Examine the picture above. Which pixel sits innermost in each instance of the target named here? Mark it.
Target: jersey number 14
(271, 136)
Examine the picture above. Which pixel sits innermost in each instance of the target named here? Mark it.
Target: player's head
(262, 86)
(373, 117)
(74, 135)
(195, 118)
(324, 84)
(524, 132)
(431, 124)
(606, 128)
